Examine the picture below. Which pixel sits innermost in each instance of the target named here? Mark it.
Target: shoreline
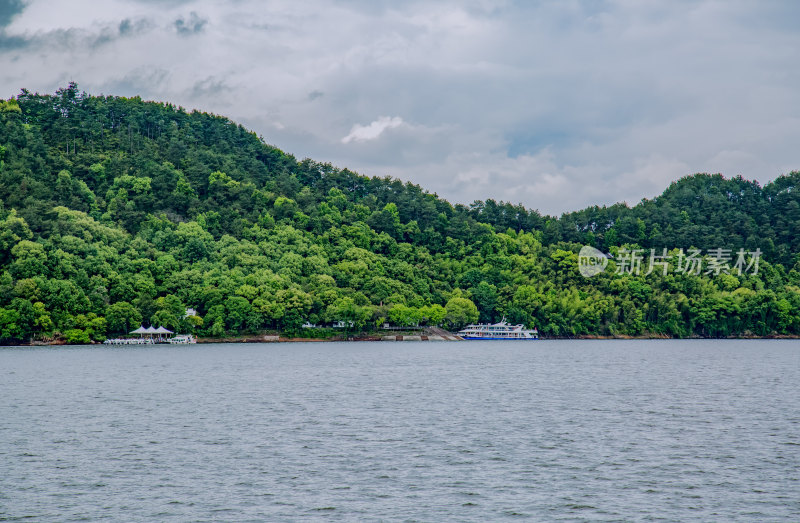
(377, 337)
(665, 337)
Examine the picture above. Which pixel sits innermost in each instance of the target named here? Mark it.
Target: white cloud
(363, 133)
(556, 105)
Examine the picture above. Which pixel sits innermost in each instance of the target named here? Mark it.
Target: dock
(430, 334)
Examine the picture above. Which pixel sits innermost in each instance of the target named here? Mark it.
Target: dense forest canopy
(116, 212)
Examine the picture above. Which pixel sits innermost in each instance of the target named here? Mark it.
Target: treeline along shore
(116, 213)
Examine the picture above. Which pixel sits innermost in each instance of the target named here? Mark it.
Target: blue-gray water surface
(473, 431)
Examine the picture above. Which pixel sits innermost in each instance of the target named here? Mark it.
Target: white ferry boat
(498, 331)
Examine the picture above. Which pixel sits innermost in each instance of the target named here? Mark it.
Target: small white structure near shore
(160, 334)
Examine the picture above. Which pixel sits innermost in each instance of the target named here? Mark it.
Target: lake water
(473, 431)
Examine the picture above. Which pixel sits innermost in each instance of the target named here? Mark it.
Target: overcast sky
(557, 105)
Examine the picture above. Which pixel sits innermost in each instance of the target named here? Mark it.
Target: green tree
(355, 317)
(12, 230)
(10, 329)
(237, 310)
(122, 317)
(77, 337)
(405, 316)
(460, 312)
(29, 260)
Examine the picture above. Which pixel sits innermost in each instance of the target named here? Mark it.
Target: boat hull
(496, 338)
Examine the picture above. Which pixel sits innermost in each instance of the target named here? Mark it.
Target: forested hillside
(117, 212)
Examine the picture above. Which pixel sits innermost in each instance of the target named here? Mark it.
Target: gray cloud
(131, 27)
(192, 24)
(127, 28)
(557, 105)
(162, 3)
(209, 86)
(144, 81)
(9, 43)
(76, 39)
(8, 10)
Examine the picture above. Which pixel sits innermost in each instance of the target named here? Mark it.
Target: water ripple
(567, 430)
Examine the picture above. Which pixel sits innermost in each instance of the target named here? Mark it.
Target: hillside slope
(117, 211)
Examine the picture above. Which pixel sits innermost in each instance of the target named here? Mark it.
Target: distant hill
(702, 210)
(117, 211)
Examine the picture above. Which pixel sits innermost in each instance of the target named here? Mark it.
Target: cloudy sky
(557, 105)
